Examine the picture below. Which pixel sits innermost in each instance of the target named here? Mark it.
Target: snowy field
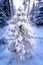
(8, 58)
(36, 38)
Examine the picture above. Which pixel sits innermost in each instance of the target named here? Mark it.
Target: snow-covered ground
(8, 58)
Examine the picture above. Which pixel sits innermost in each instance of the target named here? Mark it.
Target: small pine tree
(18, 36)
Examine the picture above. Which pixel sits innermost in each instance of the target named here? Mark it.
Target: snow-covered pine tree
(18, 36)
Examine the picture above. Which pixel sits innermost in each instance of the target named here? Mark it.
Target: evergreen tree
(26, 4)
(6, 8)
(3, 16)
(39, 13)
(32, 12)
(18, 36)
(5, 12)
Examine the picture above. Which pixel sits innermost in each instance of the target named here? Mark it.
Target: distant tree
(5, 11)
(39, 13)
(26, 4)
(3, 16)
(32, 11)
(6, 8)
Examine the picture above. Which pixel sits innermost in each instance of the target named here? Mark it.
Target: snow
(7, 58)
(35, 38)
